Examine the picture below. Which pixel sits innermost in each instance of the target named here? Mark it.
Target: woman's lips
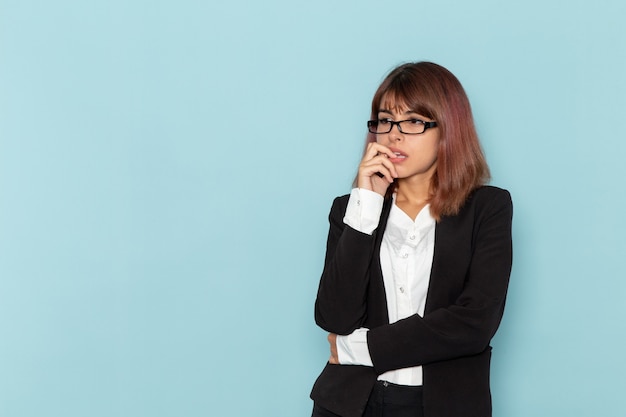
(400, 157)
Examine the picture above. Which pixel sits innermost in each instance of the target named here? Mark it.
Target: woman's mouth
(399, 157)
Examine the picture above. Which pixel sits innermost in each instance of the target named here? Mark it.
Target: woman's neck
(412, 196)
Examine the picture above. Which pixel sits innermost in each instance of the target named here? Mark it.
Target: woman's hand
(334, 357)
(376, 172)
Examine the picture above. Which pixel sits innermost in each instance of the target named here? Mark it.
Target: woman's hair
(433, 91)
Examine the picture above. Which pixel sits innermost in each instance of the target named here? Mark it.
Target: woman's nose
(395, 134)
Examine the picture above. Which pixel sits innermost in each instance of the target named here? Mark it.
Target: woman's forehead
(399, 103)
(391, 101)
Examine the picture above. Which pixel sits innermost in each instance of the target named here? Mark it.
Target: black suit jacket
(464, 305)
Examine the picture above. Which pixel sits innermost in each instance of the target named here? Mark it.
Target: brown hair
(433, 91)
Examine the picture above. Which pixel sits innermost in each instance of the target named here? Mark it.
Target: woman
(418, 261)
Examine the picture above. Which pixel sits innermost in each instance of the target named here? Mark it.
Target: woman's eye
(384, 121)
(416, 121)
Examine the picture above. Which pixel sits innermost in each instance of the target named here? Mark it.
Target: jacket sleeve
(340, 306)
(467, 325)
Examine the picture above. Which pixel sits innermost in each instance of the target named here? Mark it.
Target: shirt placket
(407, 259)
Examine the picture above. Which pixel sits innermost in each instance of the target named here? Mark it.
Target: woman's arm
(340, 305)
(341, 298)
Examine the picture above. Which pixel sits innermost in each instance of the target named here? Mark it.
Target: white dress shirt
(406, 257)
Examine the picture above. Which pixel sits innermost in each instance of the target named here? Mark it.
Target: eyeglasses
(408, 127)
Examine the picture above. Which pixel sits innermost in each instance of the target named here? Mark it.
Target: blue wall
(166, 172)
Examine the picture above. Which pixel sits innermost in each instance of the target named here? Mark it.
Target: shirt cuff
(352, 349)
(363, 211)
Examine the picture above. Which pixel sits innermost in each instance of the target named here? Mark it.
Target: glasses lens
(412, 126)
(383, 126)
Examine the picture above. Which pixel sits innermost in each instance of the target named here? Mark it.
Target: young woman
(418, 261)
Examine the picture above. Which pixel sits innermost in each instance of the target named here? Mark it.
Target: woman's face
(416, 153)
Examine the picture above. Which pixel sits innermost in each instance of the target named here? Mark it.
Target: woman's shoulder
(489, 192)
(490, 197)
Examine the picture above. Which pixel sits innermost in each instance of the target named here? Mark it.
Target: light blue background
(166, 169)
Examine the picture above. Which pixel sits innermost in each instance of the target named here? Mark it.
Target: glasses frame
(374, 124)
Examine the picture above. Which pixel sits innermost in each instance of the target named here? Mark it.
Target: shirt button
(406, 255)
(412, 237)
(402, 290)
(358, 202)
